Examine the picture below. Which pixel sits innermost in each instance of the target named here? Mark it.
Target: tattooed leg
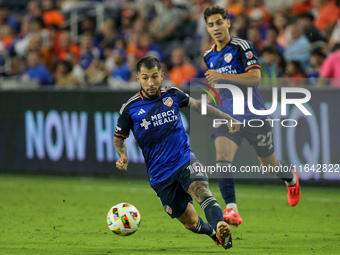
(201, 193)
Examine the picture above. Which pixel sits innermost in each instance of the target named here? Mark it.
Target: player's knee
(223, 156)
(191, 224)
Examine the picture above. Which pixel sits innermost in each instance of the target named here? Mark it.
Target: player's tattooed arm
(120, 147)
(199, 190)
(233, 124)
(196, 105)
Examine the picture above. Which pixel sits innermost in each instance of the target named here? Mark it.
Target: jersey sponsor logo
(168, 101)
(118, 129)
(249, 54)
(145, 124)
(164, 117)
(211, 65)
(159, 119)
(228, 57)
(168, 209)
(141, 111)
(251, 62)
(227, 69)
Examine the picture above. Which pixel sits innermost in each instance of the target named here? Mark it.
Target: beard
(152, 97)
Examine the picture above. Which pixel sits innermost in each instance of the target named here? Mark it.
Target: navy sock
(204, 228)
(226, 183)
(212, 211)
(285, 174)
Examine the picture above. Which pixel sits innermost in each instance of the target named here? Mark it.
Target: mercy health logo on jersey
(159, 118)
(227, 69)
(239, 103)
(145, 124)
(228, 57)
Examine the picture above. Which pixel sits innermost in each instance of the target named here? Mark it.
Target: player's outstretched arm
(233, 124)
(120, 147)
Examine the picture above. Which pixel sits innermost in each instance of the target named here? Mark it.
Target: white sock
(293, 182)
(232, 206)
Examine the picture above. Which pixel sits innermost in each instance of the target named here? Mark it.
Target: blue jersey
(235, 58)
(158, 130)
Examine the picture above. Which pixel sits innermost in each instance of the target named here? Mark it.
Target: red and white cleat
(232, 217)
(294, 192)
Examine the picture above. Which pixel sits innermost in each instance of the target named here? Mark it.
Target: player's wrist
(123, 155)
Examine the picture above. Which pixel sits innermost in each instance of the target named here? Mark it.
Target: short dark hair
(148, 62)
(296, 64)
(274, 29)
(269, 49)
(319, 52)
(67, 64)
(212, 10)
(40, 21)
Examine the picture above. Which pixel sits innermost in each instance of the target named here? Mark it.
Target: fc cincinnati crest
(249, 54)
(168, 101)
(228, 57)
(168, 209)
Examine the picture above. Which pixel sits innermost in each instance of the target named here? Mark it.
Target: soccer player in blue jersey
(153, 116)
(232, 60)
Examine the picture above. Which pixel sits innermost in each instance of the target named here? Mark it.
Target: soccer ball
(123, 219)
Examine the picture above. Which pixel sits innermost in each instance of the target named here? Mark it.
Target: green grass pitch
(56, 215)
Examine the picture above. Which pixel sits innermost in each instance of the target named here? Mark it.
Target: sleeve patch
(249, 54)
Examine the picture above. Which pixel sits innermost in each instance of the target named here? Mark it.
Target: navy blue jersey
(235, 58)
(158, 129)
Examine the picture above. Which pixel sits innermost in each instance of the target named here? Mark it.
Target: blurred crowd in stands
(70, 43)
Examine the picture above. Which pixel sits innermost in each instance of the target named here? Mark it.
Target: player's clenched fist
(213, 76)
(234, 126)
(122, 163)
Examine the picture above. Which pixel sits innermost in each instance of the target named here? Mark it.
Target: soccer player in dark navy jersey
(153, 116)
(232, 60)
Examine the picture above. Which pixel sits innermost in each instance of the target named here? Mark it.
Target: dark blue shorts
(261, 138)
(173, 191)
